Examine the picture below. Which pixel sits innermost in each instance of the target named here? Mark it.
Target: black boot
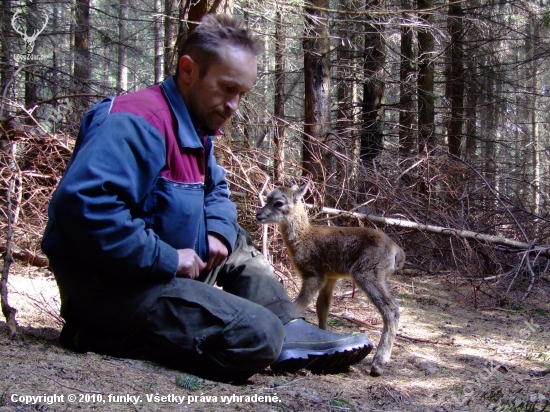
(71, 338)
(320, 351)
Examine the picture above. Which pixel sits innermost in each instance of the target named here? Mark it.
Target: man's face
(212, 99)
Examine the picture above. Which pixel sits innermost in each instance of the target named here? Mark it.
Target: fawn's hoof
(320, 351)
(376, 370)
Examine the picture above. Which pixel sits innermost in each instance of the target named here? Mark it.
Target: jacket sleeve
(117, 163)
(221, 212)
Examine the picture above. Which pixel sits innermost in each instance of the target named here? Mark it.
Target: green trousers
(225, 334)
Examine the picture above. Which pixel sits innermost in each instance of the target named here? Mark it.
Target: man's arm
(221, 212)
(111, 174)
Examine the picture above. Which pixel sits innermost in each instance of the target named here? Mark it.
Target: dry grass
(486, 359)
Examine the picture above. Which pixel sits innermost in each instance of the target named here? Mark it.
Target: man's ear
(187, 68)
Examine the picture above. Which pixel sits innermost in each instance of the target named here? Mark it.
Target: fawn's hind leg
(379, 294)
(324, 301)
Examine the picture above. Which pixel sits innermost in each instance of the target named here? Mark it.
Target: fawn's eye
(278, 204)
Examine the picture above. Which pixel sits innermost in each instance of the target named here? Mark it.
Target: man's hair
(215, 31)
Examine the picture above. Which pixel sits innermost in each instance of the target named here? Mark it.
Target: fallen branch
(420, 340)
(73, 388)
(541, 250)
(398, 335)
(32, 259)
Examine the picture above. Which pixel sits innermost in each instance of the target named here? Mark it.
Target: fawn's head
(280, 204)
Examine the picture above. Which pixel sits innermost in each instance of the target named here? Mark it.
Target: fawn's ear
(300, 191)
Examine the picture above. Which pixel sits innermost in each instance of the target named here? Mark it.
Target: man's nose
(233, 103)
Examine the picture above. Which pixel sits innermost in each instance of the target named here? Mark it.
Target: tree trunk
(347, 66)
(170, 35)
(373, 88)
(316, 46)
(455, 78)
(31, 91)
(56, 19)
(536, 143)
(426, 100)
(197, 9)
(83, 62)
(122, 80)
(34, 22)
(6, 62)
(470, 113)
(31, 80)
(280, 96)
(106, 46)
(489, 148)
(426, 110)
(159, 35)
(406, 90)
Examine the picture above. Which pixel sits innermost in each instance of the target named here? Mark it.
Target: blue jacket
(142, 183)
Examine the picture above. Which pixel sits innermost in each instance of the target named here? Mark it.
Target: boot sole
(340, 361)
(334, 361)
(293, 364)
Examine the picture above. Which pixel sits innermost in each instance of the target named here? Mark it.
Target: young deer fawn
(322, 254)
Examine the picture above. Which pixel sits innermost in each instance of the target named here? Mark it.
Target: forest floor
(460, 358)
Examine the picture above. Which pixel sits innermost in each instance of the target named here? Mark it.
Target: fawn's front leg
(310, 285)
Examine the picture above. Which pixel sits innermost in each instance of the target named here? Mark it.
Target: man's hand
(218, 252)
(190, 264)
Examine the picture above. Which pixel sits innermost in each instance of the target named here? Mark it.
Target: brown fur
(322, 254)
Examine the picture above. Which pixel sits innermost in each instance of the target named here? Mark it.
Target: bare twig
(389, 393)
(497, 197)
(73, 388)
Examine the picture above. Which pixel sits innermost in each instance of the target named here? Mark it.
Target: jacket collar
(188, 136)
